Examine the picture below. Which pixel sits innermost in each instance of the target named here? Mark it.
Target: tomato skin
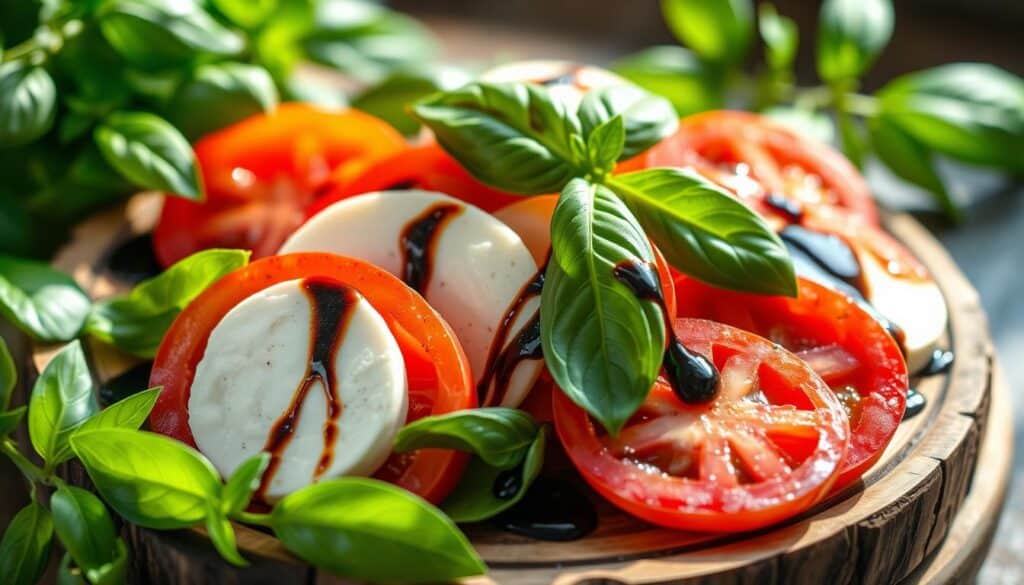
(425, 340)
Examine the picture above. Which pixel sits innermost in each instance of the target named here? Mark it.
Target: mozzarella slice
(479, 267)
(566, 81)
(255, 361)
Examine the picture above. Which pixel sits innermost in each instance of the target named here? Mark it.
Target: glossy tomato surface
(262, 173)
(437, 371)
(768, 446)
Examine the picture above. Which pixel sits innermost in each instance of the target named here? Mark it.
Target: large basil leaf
(25, 547)
(512, 136)
(369, 530)
(390, 99)
(676, 74)
(8, 375)
(86, 531)
(718, 30)
(220, 94)
(911, 160)
(851, 35)
(129, 413)
(136, 322)
(62, 399)
(149, 152)
(707, 233)
(151, 480)
(647, 118)
(498, 436)
(970, 111)
(780, 35)
(28, 103)
(44, 303)
(243, 482)
(602, 344)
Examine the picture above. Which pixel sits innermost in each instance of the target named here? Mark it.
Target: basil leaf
(247, 14)
(809, 123)
(10, 420)
(149, 479)
(707, 233)
(62, 399)
(677, 75)
(390, 98)
(149, 152)
(8, 375)
(28, 100)
(136, 322)
(372, 531)
(42, 302)
(512, 136)
(222, 535)
(602, 344)
(156, 34)
(780, 35)
(719, 31)
(129, 413)
(497, 435)
(851, 35)
(911, 160)
(221, 94)
(25, 548)
(111, 573)
(855, 146)
(243, 482)
(486, 491)
(68, 575)
(647, 118)
(970, 111)
(84, 527)
(605, 144)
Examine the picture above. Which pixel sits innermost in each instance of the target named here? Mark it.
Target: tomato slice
(848, 348)
(262, 173)
(437, 371)
(768, 446)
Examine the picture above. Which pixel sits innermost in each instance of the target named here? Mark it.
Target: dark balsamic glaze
(552, 509)
(941, 362)
(331, 304)
(790, 208)
(508, 483)
(127, 384)
(418, 240)
(692, 376)
(133, 260)
(915, 404)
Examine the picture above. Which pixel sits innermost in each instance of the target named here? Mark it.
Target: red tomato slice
(262, 173)
(849, 349)
(767, 447)
(437, 370)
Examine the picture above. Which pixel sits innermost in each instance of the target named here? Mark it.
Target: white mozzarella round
(255, 361)
(565, 80)
(479, 266)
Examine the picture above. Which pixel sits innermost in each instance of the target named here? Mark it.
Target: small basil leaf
(718, 31)
(84, 527)
(73, 126)
(129, 413)
(390, 98)
(8, 375)
(112, 573)
(28, 100)
(222, 535)
(68, 574)
(136, 322)
(646, 117)
(677, 75)
(247, 14)
(486, 491)
(149, 152)
(369, 530)
(62, 399)
(10, 420)
(911, 160)
(25, 548)
(44, 303)
(497, 435)
(605, 144)
(512, 136)
(602, 344)
(243, 482)
(780, 35)
(707, 233)
(855, 146)
(151, 480)
(851, 35)
(220, 94)
(809, 123)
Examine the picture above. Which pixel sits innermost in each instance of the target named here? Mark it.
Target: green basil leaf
(812, 124)
(28, 99)
(512, 136)
(44, 303)
(854, 144)
(970, 111)
(25, 548)
(149, 479)
(851, 35)
(390, 98)
(498, 436)
(605, 144)
(719, 31)
(149, 152)
(780, 35)
(157, 34)
(73, 126)
(136, 322)
(247, 14)
(62, 399)
(602, 344)
(243, 482)
(68, 574)
(372, 531)
(474, 498)
(646, 117)
(111, 573)
(10, 420)
(222, 535)
(677, 75)
(129, 413)
(94, 67)
(221, 94)
(8, 375)
(707, 233)
(84, 527)
(911, 160)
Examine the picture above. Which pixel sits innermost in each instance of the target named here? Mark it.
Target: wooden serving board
(888, 528)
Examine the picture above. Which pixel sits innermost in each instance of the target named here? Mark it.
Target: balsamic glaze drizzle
(941, 362)
(418, 241)
(553, 510)
(915, 404)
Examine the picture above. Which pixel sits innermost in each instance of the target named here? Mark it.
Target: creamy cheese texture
(255, 361)
(479, 265)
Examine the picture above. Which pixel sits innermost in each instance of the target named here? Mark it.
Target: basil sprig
(61, 401)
